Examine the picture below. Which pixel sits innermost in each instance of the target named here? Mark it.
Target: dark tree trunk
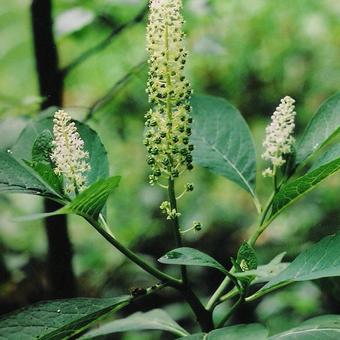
(50, 79)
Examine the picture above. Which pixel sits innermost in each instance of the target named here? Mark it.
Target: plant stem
(252, 240)
(204, 317)
(175, 224)
(135, 258)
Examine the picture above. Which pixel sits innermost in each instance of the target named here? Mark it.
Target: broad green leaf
(238, 332)
(16, 177)
(98, 155)
(57, 319)
(89, 203)
(295, 189)
(322, 327)
(223, 142)
(330, 155)
(321, 260)
(156, 319)
(323, 126)
(191, 257)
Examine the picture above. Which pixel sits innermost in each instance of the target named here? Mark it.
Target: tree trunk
(61, 277)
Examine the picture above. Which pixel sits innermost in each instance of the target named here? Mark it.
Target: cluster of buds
(168, 122)
(279, 139)
(68, 153)
(171, 213)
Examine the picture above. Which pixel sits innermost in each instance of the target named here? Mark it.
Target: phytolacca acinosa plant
(279, 139)
(68, 153)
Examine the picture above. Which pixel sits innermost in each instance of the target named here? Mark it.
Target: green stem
(204, 317)
(175, 224)
(252, 240)
(231, 311)
(135, 258)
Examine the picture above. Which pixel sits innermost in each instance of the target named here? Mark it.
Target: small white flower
(279, 139)
(68, 152)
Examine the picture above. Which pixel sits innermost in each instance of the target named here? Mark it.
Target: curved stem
(135, 258)
(204, 317)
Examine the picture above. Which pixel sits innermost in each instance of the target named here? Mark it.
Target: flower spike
(68, 153)
(279, 139)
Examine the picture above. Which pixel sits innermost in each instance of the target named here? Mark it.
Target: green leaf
(323, 126)
(98, 155)
(42, 147)
(16, 177)
(237, 332)
(89, 203)
(330, 155)
(265, 273)
(57, 319)
(45, 171)
(156, 319)
(292, 191)
(197, 336)
(246, 257)
(191, 257)
(321, 327)
(223, 142)
(321, 260)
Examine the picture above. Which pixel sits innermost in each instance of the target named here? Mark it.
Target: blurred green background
(251, 52)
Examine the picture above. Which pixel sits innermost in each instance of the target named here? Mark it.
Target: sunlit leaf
(321, 260)
(191, 257)
(223, 142)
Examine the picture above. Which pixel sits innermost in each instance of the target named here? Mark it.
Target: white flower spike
(279, 139)
(168, 122)
(68, 153)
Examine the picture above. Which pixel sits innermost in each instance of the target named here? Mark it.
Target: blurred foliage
(252, 52)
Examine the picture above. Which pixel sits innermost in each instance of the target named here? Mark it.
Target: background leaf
(156, 319)
(330, 155)
(292, 191)
(98, 156)
(321, 327)
(191, 257)
(222, 140)
(57, 319)
(324, 125)
(321, 260)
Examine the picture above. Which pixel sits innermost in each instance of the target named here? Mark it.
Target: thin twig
(112, 91)
(104, 43)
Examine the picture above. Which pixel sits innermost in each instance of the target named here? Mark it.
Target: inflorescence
(279, 139)
(168, 121)
(68, 153)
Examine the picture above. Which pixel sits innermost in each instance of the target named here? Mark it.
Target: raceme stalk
(168, 121)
